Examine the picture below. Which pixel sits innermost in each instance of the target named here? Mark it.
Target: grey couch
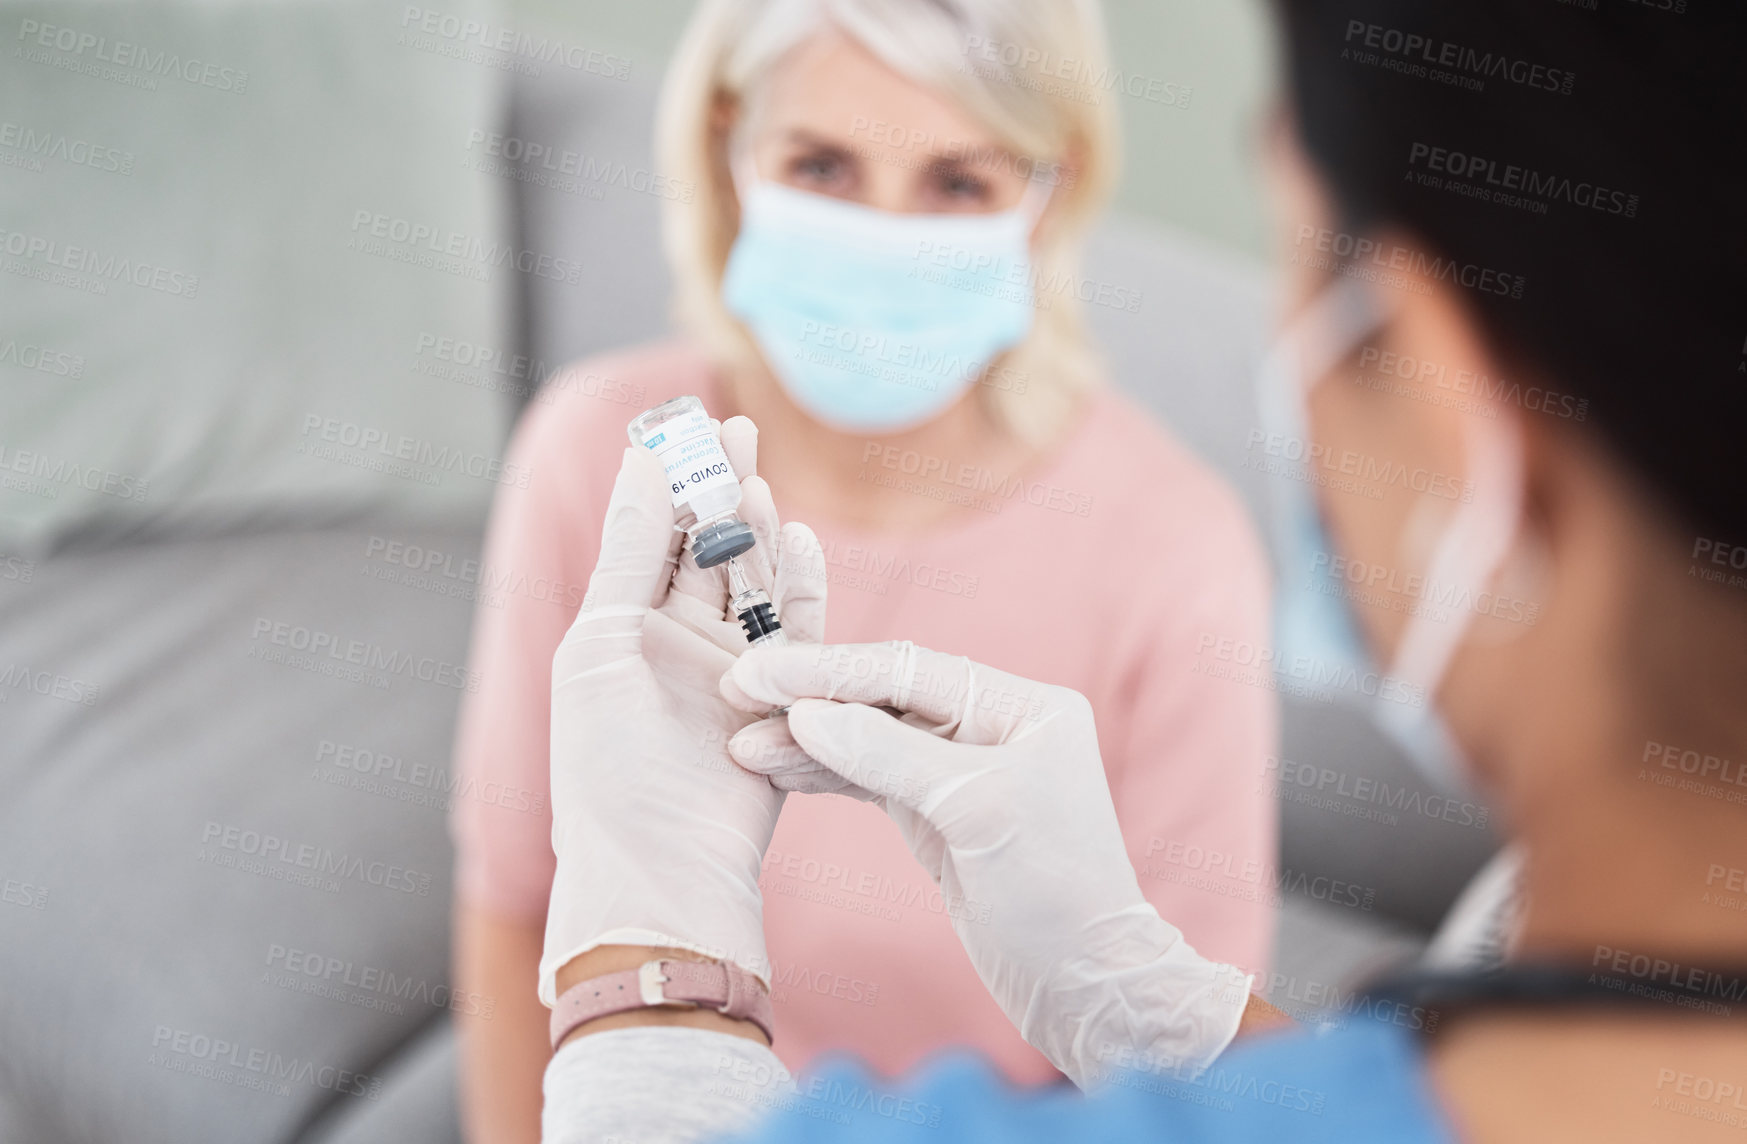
(225, 858)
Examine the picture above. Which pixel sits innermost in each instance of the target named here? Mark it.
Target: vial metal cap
(715, 543)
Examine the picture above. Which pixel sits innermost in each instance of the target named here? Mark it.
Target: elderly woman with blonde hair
(878, 267)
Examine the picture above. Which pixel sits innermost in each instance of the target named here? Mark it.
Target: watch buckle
(651, 976)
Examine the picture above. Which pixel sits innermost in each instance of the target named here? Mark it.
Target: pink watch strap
(727, 989)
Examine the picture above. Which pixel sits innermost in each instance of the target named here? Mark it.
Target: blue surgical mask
(1317, 638)
(876, 322)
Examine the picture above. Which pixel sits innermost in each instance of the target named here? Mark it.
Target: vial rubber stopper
(717, 543)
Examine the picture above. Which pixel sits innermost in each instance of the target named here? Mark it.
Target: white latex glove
(659, 836)
(996, 784)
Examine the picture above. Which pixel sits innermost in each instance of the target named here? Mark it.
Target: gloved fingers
(740, 441)
(758, 509)
(874, 674)
(705, 620)
(708, 586)
(881, 755)
(739, 438)
(960, 699)
(633, 570)
(925, 843)
(767, 748)
(799, 593)
(816, 781)
(681, 656)
(675, 553)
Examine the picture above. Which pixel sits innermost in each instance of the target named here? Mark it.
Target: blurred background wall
(1188, 163)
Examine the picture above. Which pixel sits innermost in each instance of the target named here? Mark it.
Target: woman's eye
(818, 169)
(960, 187)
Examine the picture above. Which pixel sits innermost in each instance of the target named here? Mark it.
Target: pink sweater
(1115, 568)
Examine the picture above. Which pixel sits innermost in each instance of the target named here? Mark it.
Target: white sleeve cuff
(659, 1086)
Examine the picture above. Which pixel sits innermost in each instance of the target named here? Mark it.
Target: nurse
(1595, 344)
(879, 267)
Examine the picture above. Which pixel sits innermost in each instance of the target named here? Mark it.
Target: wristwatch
(728, 989)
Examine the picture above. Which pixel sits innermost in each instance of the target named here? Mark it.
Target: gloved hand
(996, 784)
(660, 837)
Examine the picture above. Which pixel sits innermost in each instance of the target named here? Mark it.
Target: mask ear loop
(1326, 331)
(1476, 542)
(1313, 342)
(1472, 548)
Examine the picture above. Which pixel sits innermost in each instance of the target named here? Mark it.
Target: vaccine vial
(703, 484)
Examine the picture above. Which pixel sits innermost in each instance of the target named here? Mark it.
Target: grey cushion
(247, 313)
(606, 216)
(137, 812)
(418, 1103)
(1324, 955)
(1371, 820)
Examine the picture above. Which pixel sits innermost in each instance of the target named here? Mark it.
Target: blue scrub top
(1357, 1084)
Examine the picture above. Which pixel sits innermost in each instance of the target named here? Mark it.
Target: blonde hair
(1004, 61)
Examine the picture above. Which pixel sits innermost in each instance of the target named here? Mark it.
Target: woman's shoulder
(1143, 480)
(580, 412)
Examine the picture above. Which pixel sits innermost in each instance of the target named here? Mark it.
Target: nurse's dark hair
(1630, 117)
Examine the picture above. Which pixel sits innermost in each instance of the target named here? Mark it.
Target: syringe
(756, 614)
(753, 609)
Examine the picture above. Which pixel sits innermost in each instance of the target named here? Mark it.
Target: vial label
(692, 454)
